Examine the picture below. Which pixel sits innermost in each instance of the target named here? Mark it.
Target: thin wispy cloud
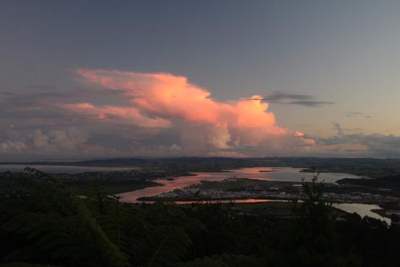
(356, 114)
(293, 99)
(6, 94)
(311, 103)
(279, 97)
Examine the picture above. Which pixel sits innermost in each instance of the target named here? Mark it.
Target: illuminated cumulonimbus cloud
(168, 101)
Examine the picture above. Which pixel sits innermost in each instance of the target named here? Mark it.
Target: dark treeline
(374, 168)
(44, 223)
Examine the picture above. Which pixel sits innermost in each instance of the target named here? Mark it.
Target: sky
(95, 79)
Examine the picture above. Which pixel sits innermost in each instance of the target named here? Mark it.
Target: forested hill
(44, 222)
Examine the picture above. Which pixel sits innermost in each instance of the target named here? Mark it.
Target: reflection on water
(268, 174)
(222, 201)
(284, 174)
(362, 210)
(168, 185)
(259, 173)
(227, 201)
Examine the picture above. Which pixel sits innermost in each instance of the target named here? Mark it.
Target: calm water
(264, 173)
(362, 210)
(260, 173)
(61, 169)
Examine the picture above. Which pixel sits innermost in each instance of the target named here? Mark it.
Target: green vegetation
(45, 223)
(114, 182)
(107, 187)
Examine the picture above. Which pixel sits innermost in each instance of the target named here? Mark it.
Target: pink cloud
(130, 114)
(166, 101)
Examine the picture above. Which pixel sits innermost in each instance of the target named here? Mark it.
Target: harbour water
(259, 173)
(61, 168)
(285, 174)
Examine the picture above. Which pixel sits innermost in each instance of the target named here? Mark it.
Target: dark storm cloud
(295, 99)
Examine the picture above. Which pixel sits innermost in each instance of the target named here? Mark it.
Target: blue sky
(342, 55)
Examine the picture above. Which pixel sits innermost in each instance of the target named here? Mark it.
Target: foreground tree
(42, 222)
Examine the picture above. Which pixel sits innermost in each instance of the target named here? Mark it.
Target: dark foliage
(43, 224)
